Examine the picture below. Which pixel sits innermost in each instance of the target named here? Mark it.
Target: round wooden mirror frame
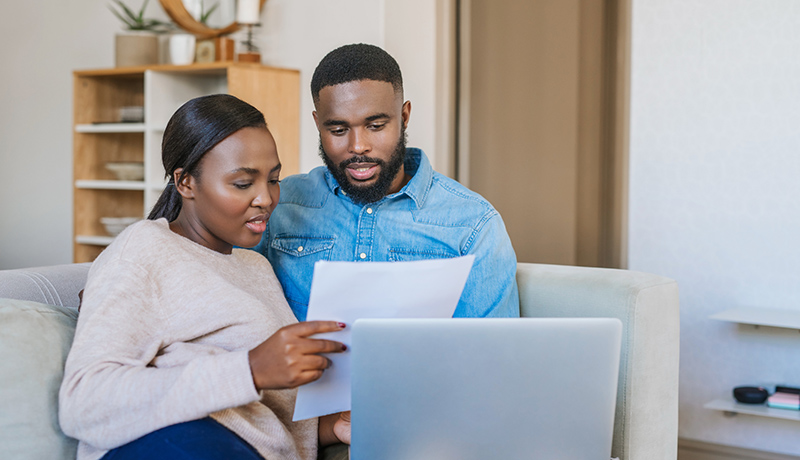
(178, 13)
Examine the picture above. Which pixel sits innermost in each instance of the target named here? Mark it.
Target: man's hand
(342, 427)
(334, 428)
(289, 358)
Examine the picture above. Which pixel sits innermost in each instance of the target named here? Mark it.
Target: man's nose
(359, 144)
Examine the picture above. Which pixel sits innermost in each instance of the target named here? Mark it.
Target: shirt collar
(416, 165)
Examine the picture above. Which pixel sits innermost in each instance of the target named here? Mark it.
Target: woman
(170, 358)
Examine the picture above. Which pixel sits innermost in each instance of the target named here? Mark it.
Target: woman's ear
(184, 186)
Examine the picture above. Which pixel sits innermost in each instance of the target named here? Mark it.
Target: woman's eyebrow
(244, 169)
(253, 171)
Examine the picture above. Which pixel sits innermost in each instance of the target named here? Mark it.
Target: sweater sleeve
(110, 394)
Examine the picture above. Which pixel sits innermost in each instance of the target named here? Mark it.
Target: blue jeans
(203, 439)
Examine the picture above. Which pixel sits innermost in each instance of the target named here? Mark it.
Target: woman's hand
(289, 358)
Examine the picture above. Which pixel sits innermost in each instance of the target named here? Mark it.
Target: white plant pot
(135, 49)
(181, 49)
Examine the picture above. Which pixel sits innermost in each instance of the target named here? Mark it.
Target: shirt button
(362, 255)
(299, 249)
(369, 210)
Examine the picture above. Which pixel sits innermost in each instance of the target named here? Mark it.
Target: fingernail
(344, 347)
(341, 325)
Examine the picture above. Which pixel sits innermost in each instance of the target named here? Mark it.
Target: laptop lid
(520, 388)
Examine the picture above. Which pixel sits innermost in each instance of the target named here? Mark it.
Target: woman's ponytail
(168, 204)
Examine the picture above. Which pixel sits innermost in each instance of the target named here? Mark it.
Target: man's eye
(338, 131)
(376, 126)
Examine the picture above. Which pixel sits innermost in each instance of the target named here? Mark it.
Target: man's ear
(186, 185)
(406, 113)
(316, 121)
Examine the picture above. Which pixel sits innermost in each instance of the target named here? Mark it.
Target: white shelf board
(94, 240)
(753, 409)
(110, 184)
(110, 128)
(774, 317)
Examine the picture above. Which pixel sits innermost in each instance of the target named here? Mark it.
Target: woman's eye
(242, 185)
(274, 181)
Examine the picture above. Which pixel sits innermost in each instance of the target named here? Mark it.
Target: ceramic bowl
(126, 171)
(115, 225)
(131, 114)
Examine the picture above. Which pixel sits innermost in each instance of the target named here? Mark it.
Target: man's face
(362, 137)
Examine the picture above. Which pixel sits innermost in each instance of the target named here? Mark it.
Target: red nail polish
(344, 347)
(342, 325)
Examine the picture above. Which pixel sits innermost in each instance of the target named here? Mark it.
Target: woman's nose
(263, 199)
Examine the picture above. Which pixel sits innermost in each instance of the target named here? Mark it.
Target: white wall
(715, 194)
(43, 42)
(46, 41)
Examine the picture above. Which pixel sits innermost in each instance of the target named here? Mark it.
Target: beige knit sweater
(162, 338)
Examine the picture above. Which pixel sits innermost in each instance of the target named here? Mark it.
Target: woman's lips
(362, 171)
(257, 224)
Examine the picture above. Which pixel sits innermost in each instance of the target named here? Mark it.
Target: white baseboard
(698, 450)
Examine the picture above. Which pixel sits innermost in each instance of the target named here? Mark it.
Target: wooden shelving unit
(99, 137)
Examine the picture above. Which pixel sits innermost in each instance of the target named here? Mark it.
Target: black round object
(750, 395)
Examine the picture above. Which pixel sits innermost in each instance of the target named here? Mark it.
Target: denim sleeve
(491, 289)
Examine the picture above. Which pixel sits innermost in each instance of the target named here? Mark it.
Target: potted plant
(138, 45)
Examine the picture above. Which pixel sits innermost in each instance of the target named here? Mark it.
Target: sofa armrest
(646, 420)
(53, 285)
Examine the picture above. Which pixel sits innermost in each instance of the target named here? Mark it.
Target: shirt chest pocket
(303, 246)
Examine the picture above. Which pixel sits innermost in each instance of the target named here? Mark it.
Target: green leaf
(141, 11)
(124, 20)
(204, 15)
(127, 10)
(137, 21)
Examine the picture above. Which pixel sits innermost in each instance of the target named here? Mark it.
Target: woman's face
(237, 190)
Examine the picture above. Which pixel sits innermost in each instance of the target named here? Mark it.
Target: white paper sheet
(347, 291)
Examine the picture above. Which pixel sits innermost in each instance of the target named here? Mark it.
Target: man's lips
(257, 224)
(362, 171)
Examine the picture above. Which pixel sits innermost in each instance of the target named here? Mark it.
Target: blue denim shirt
(432, 217)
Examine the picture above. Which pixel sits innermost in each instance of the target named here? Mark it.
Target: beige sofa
(38, 315)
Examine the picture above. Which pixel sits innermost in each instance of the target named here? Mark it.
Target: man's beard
(363, 194)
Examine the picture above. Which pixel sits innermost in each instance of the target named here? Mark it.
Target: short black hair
(359, 61)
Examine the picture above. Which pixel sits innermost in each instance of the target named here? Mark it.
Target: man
(377, 200)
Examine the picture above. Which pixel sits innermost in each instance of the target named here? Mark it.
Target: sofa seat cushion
(35, 339)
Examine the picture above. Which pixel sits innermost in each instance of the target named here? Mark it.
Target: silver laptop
(461, 389)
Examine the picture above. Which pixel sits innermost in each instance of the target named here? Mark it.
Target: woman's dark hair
(194, 129)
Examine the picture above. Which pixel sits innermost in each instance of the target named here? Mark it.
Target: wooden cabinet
(100, 137)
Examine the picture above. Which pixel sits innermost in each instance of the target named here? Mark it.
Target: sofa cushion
(34, 341)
